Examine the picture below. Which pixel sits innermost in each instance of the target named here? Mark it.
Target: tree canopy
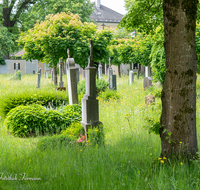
(49, 40)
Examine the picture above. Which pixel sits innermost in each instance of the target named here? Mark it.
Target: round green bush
(54, 121)
(24, 121)
(72, 112)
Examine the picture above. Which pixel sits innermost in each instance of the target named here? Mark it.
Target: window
(15, 66)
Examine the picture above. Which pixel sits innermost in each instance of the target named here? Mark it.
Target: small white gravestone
(131, 77)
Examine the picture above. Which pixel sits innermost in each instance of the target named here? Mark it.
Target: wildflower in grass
(82, 139)
(159, 158)
(180, 142)
(96, 130)
(164, 158)
(181, 163)
(162, 161)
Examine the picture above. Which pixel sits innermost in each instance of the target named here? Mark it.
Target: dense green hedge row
(34, 119)
(45, 98)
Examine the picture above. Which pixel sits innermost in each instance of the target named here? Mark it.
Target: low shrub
(72, 113)
(34, 119)
(96, 136)
(109, 94)
(23, 121)
(54, 122)
(67, 137)
(101, 85)
(42, 97)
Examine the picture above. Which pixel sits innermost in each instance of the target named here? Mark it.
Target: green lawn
(129, 159)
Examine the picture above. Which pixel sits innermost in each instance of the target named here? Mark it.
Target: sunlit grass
(129, 159)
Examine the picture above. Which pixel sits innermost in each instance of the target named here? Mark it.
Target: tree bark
(139, 71)
(178, 119)
(55, 75)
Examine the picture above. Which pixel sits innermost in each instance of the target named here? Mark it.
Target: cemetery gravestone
(38, 77)
(72, 81)
(131, 77)
(100, 70)
(147, 80)
(90, 107)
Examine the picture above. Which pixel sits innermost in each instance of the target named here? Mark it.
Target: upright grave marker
(90, 107)
(60, 73)
(131, 77)
(147, 80)
(72, 80)
(112, 78)
(38, 77)
(100, 70)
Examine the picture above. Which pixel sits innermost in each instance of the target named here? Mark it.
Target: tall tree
(21, 15)
(178, 119)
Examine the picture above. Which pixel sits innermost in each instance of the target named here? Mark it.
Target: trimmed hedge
(24, 121)
(42, 97)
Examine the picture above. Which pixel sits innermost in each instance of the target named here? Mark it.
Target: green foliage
(54, 122)
(42, 8)
(53, 142)
(49, 40)
(74, 131)
(18, 75)
(34, 119)
(142, 15)
(158, 55)
(67, 137)
(24, 121)
(45, 98)
(109, 95)
(155, 91)
(6, 43)
(101, 85)
(96, 136)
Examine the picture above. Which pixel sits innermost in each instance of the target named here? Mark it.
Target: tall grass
(129, 159)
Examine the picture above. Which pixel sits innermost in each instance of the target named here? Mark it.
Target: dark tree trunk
(178, 120)
(139, 71)
(119, 72)
(55, 75)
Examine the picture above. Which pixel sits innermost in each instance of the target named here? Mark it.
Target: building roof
(105, 14)
(19, 53)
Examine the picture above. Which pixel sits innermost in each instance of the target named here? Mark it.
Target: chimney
(98, 3)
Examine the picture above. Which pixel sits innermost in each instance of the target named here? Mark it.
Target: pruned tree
(178, 120)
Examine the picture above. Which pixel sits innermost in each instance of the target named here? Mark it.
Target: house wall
(107, 25)
(4, 68)
(31, 66)
(11, 62)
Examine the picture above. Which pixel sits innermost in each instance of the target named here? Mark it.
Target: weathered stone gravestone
(38, 77)
(147, 80)
(106, 69)
(100, 70)
(112, 78)
(131, 77)
(72, 81)
(47, 74)
(150, 99)
(77, 75)
(90, 106)
(61, 83)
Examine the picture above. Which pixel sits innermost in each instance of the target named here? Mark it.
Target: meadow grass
(129, 159)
